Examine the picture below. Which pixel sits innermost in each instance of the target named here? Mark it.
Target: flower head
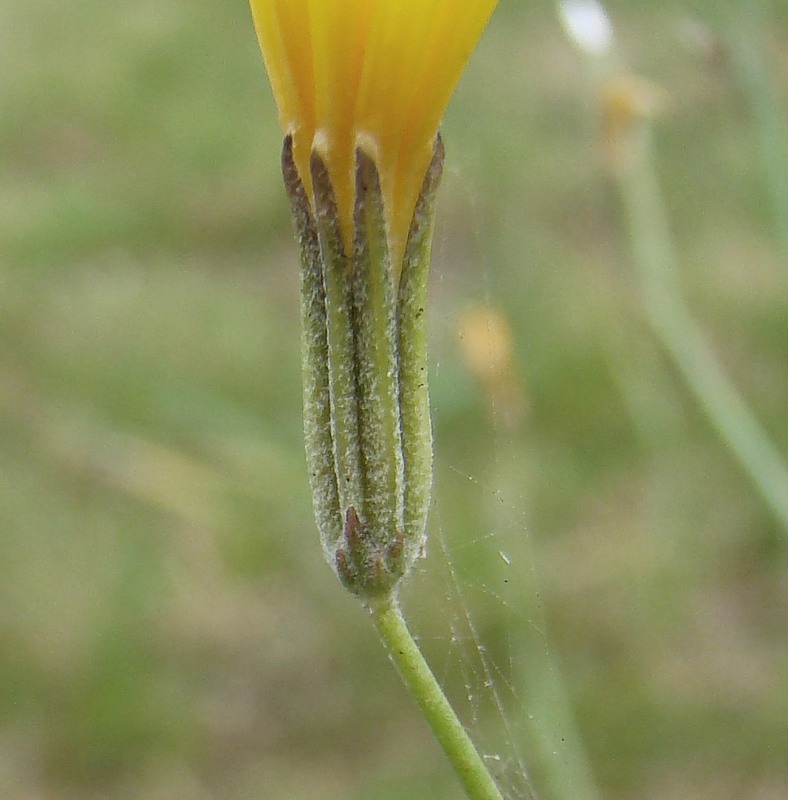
(375, 74)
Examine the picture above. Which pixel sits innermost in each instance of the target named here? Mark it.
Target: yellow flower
(371, 73)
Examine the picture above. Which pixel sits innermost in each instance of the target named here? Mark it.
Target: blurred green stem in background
(756, 73)
(627, 104)
(674, 326)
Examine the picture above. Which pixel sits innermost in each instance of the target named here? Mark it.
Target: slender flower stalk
(628, 104)
(361, 86)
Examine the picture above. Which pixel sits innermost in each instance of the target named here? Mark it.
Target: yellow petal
(373, 72)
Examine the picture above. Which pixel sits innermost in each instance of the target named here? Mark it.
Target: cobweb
(475, 604)
(492, 706)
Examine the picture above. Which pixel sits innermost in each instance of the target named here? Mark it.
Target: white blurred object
(587, 24)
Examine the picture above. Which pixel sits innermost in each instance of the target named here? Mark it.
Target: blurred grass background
(167, 626)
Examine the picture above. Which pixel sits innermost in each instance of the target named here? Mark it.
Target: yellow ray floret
(373, 72)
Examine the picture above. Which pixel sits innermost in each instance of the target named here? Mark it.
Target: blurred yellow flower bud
(626, 100)
(487, 345)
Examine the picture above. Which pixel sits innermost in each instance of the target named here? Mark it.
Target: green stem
(681, 337)
(751, 51)
(426, 691)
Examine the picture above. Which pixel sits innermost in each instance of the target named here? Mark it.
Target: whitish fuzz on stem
(367, 424)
